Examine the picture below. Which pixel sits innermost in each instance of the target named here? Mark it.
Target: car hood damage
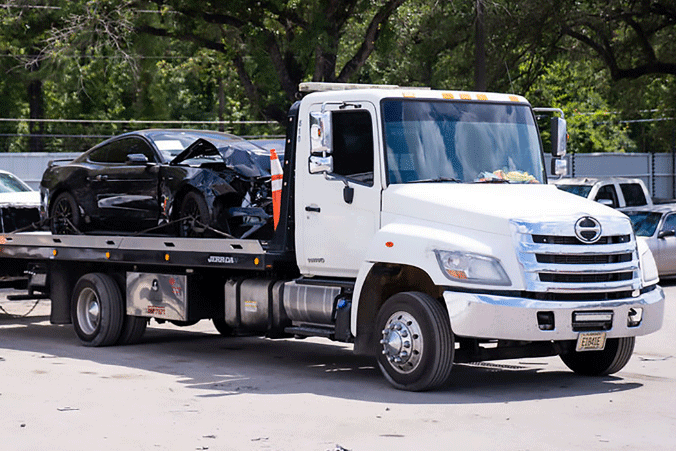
(243, 157)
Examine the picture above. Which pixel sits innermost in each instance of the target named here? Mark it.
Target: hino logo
(588, 229)
(221, 259)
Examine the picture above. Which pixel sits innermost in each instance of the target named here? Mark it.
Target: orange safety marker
(277, 174)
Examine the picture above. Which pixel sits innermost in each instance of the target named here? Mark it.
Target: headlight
(472, 268)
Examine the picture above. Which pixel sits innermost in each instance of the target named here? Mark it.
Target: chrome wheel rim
(88, 311)
(402, 342)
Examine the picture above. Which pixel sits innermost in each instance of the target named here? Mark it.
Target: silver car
(657, 226)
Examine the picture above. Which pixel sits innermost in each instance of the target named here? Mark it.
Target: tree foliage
(606, 64)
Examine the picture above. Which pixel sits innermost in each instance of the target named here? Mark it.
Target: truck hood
(487, 207)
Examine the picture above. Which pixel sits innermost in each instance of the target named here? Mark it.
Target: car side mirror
(606, 202)
(137, 159)
(666, 233)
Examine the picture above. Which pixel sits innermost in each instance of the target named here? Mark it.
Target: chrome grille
(554, 260)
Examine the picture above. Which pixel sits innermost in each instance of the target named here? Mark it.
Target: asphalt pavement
(191, 389)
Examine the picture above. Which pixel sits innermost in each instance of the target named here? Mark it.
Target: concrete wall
(29, 166)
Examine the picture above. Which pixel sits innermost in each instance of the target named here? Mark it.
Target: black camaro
(188, 182)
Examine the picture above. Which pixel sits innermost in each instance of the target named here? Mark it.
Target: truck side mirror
(559, 167)
(319, 164)
(559, 137)
(320, 133)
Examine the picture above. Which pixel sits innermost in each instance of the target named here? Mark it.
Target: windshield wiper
(436, 180)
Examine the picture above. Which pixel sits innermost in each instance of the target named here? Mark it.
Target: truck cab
(437, 204)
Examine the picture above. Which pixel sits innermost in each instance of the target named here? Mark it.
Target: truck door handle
(314, 209)
(101, 178)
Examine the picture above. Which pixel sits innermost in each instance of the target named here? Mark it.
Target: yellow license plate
(591, 341)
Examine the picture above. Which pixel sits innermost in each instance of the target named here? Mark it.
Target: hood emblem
(588, 229)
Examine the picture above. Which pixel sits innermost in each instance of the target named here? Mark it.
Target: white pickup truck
(416, 224)
(615, 192)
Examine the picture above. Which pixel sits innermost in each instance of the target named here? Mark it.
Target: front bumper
(515, 318)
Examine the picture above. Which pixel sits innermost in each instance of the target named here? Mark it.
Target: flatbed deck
(141, 250)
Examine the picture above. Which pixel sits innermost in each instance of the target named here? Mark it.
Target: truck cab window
(353, 145)
(633, 194)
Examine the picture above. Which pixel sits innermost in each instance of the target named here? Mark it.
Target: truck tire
(222, 327)
(64, 217)
(133, 328)
(195, 214)
(601, 363)
(417, 342)
(97, 310)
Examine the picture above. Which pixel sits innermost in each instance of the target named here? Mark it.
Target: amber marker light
(166, 257)
(108, 255)
(54, 252)
(257, 261)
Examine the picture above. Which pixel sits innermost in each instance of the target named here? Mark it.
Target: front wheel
(417, 345)
(97, 310)
(194, 214)
(601, 363)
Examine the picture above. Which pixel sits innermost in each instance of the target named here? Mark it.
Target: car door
(127, 194)
(665, 257)
(340, 212)
(607, 195)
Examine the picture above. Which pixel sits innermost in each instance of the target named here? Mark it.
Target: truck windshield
(439, 141)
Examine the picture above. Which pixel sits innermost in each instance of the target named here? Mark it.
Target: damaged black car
(183, 182)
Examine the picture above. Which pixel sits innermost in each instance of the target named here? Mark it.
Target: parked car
(19, 204)
(657, 226)
(616, 192)
(189, 182)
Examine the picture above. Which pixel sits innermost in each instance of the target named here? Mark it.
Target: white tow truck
(416, 224)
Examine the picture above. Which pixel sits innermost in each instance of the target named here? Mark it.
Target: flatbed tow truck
(411, 224)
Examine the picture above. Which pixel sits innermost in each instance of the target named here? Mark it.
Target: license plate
(591, 341)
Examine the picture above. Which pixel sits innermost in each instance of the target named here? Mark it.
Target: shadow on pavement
(228, 366)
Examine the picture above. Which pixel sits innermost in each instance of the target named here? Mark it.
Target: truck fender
(400, 258)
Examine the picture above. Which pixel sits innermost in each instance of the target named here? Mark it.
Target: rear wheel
(97, 310)
(601, 363)
(65, 215)
(222, 327)
(194, 214)
(133, 329)
(417, 342)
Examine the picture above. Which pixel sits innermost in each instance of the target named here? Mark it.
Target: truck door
(338, 213)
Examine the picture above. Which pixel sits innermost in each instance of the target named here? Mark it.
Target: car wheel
(194, 214)
(65, 215)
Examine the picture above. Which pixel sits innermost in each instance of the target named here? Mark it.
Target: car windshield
(580, 190)
(644, 222)
(461, 141)
(11, 184)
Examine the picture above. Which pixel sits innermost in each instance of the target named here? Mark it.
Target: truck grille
(555, 260)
